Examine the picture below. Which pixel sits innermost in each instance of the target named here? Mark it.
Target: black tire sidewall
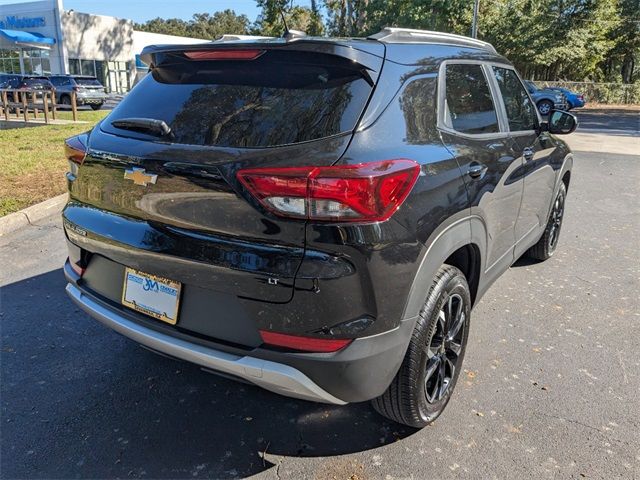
(452, 284)
(545, 102)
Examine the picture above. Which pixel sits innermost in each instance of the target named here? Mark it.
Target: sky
(142, 10)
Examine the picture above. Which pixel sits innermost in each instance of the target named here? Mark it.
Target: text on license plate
(155, 296)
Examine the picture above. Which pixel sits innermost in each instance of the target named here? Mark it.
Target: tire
(415, 396)
(545, 107)
(95, 107)
(65, 100)
(547, 244)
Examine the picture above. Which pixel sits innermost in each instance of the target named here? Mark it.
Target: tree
(364, 17)
(213, 26)
(202, 25)
(168, 26)
(269, 22)
(596, 40)
(625, 55)
(551, 39)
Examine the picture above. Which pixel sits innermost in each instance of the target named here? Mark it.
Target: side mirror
(561, 123)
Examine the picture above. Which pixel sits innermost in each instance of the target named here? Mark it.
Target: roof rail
(234, 38)
(410, 35)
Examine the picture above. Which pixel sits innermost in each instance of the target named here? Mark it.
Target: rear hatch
(37, 83)
(167, 200)
(89, 85)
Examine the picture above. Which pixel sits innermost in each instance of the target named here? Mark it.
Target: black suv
(315, 216)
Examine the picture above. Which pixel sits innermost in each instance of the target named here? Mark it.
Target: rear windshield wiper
(145, 125)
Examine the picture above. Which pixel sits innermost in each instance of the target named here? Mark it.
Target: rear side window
(469, 106)
(520, 110)
(280, 98)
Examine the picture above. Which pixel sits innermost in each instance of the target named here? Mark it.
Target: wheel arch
(461, 243)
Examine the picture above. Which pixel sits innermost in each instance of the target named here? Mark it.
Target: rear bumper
(276, 377)
(90, 101)
(359, 372)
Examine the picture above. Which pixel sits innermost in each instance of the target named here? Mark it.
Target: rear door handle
(527, 153)
(476, 170)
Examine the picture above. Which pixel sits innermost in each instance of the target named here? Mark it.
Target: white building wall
(97, 37)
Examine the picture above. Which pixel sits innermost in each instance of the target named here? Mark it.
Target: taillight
(303, 344)
(76, 268)
(75, 148)
(76, 89)
(224, 54)
(367, 192)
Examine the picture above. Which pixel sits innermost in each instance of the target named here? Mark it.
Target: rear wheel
(549, 241)
(96, 106)
(65, 100)
(545, 107)
(423, 385)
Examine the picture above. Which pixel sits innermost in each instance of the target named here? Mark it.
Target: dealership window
(36, 61)
(9, 60)
(113, 75)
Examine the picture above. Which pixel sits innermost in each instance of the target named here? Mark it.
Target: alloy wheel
(444, 348)
(556, 221)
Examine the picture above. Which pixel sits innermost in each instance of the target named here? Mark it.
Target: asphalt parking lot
(551, 386)
(620, 120)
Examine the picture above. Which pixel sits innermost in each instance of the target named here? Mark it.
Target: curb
(34, 213)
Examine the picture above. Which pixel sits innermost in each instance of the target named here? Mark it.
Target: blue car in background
(575, 100)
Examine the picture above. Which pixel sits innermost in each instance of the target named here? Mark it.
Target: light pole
(474, 25)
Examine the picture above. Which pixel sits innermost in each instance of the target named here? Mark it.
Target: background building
(42, 38)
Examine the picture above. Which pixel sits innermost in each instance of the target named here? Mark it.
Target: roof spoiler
(368, 55)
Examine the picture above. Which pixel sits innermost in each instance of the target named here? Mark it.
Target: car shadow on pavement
(78, 400)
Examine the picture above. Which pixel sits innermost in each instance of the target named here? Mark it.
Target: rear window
(88, 82)
(40, 82)
(280, 98)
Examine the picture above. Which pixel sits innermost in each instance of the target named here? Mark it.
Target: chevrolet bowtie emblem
(139, 176)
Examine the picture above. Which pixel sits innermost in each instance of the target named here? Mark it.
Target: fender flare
(567, 166)
(446, 239)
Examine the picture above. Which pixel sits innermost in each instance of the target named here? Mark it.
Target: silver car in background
(89, 91)
(546, 99)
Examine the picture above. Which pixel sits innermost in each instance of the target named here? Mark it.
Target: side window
(418, 101)
(469, 107)
(520, 110)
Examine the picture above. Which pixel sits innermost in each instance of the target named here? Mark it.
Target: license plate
(155, 296)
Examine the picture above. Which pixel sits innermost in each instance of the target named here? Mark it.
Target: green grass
(32, 163)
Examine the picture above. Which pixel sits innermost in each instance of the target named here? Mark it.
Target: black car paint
(330, 277)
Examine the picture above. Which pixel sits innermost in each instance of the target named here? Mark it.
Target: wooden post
(15, 101)
(5, 105)
(74, 106)
(53, 103)
(45, 104)
(33, 100)
(24, 107)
